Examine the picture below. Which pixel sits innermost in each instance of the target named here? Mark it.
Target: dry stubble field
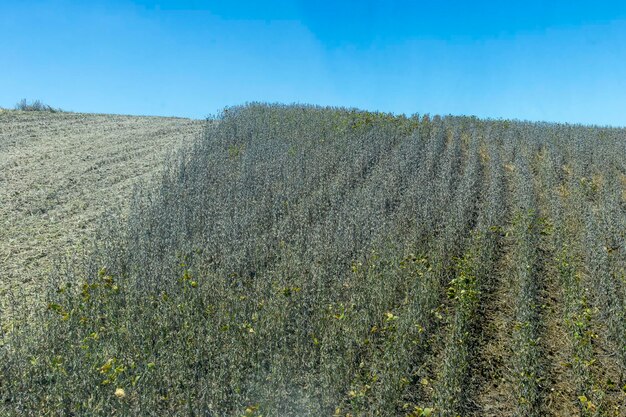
(59, 172)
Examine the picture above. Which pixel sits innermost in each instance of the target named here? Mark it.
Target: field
(308, 261)
(61, 171)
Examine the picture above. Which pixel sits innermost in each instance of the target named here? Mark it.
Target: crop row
(301, 260)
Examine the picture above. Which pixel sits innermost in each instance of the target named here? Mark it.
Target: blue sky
(537, 60)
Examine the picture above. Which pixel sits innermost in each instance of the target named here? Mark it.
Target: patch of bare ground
(58, 173)
(559, 382)
(491, 373)
(494, 371)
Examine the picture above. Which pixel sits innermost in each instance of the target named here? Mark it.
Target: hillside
(61, 171)
(308, 261)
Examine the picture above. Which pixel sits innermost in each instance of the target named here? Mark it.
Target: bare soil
(58, 173)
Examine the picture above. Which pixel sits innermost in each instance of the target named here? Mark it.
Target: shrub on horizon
(36, 105)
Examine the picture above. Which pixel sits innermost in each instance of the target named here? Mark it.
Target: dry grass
(60, 171)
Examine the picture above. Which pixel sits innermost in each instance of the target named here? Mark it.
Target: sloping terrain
(59, 172)
(307, 261)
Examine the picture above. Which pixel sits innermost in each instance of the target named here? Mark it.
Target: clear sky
(537, 60)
